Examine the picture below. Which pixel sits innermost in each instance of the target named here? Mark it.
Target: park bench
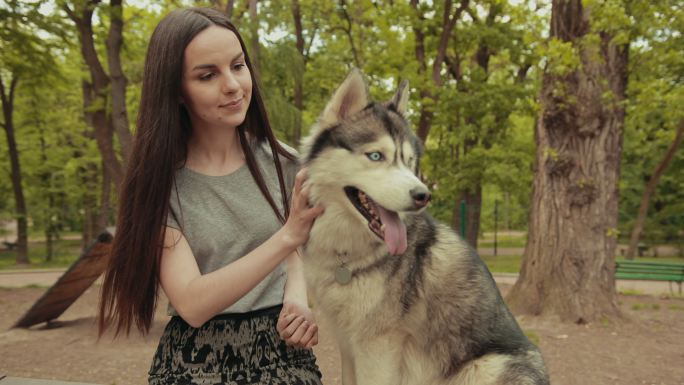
(651, 271)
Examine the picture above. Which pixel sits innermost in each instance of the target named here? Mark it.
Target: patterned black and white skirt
(232, 349)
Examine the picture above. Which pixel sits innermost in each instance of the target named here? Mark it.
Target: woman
(204, 213)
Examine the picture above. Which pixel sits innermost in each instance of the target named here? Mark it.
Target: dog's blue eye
(375, 156)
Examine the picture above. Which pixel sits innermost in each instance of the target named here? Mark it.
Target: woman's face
(216, 86)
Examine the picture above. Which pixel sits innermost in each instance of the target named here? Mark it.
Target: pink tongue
(395, 231)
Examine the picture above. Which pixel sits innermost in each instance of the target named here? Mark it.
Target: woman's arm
(197, 298)
(296, 323)
(295, 286)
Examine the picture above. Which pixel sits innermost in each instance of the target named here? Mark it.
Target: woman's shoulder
(289, 164)
(265, 146)
(287, 161)
(291, 150)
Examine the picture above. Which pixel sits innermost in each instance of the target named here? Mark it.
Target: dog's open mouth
(386, 224)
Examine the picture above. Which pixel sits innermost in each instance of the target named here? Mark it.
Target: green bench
(650, 271)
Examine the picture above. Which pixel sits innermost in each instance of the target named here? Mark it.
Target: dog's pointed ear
(350, 98)
(400, 98)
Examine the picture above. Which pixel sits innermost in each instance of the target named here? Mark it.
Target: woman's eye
(207, 76)
(375, 156)
(239, 66)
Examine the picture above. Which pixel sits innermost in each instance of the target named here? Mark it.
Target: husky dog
(409, 301)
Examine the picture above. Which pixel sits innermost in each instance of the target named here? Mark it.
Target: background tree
(477, 91)
(104, 102)
(488, 62)
(568, 263)
(451, 14)
(654, 128)
(25, 56)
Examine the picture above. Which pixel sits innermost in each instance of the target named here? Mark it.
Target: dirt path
(47, 277)
(646, 348)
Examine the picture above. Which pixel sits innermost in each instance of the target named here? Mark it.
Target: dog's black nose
(420, 196)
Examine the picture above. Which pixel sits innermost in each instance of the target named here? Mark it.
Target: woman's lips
(233, 104)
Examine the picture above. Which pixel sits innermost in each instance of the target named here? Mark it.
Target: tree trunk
(473, 197)
(90, 206)
(105, 201)
(119, 119)
(650, 189)
(358, 59)
(255, 53)
(448, 24)
(569, 264)
(299, 77)
(49, 242)
(506, 214)
(46, 185)
(20, 211)
(230, 6)
(95, 92)
(51, 230)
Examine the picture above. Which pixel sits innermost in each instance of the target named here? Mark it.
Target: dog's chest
(349, 304)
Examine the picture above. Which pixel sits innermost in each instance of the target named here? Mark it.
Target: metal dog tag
(343, 275)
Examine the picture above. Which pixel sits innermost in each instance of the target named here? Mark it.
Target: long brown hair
(131, 283)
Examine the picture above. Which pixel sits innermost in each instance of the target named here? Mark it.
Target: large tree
(104, 101)
(568, 263)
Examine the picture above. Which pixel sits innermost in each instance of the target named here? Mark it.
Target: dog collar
(343, 275)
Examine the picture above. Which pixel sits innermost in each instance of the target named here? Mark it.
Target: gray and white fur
(421, 306)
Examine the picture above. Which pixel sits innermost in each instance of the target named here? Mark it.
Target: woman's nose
(230, 84)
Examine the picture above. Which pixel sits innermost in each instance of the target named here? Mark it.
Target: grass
(646, 306)
(65, 252)
(503, 263)
(656, 259)
(676, 307)
(631, 292)
(511, 264)
(34, 286)
(532, 336)
(503, 241)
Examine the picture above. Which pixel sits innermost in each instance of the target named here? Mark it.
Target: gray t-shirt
(225, 217)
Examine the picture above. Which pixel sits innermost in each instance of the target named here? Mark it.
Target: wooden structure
(72, 284)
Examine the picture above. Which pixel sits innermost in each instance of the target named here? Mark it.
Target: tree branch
(3, 96)
(348, 30)
(449, 23)
(650, 189)
(308, 48)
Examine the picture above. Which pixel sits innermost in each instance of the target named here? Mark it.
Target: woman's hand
(297, 325)
(302, 216)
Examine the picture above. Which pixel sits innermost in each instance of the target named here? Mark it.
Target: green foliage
(66, 252)
(632, 292)
(532, 336)
(655, 97)
(482, 129)
(562, 57)
(503, 263)
(645, 306)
